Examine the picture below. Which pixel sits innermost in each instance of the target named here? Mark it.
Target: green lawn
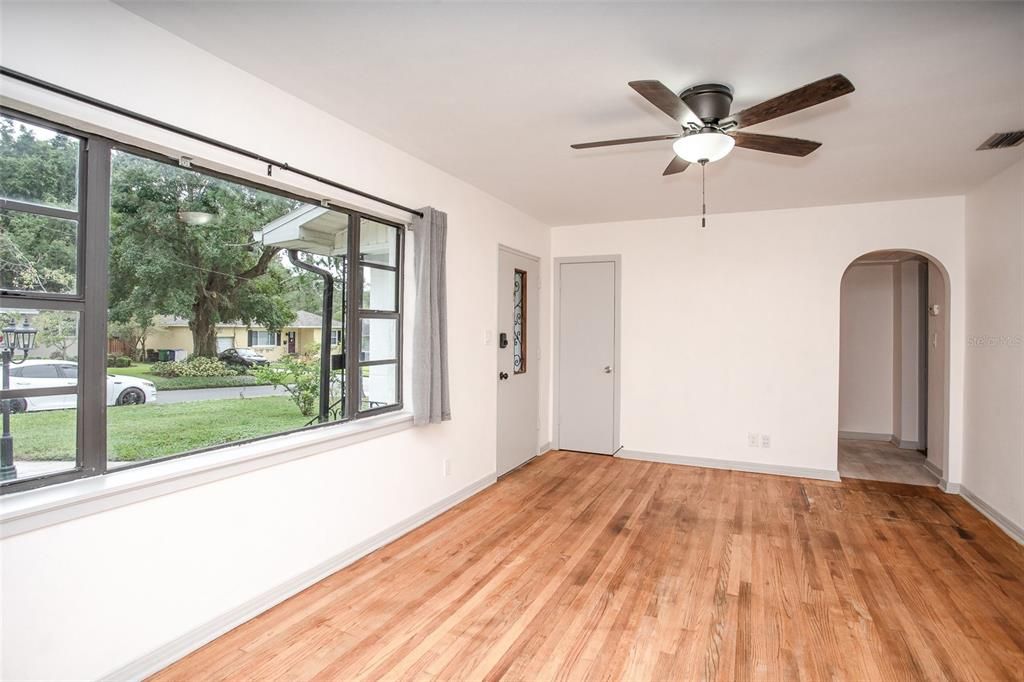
(148, 431)
(141, 370)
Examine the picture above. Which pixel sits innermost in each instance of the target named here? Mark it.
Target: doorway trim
(947, 427)
(556, 302)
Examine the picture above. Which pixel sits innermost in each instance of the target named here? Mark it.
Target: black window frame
(93, 219)
(355, 314)
(92, 287)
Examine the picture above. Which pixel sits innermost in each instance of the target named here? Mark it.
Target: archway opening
(894, 368)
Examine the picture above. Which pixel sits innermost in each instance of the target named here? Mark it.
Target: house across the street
(172, 333)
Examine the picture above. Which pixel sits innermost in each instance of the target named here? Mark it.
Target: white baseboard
(544, 448)
(882, 438)
(1006, 525)
(934, 470)
(860, 435)
(176, 649)
(947, 487)
(733, 465)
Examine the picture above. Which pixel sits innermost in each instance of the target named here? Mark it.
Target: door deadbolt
(503, 375)
(502, 340)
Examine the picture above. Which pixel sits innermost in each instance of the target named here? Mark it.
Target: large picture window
(152, 287)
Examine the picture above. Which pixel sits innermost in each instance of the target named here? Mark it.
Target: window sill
(34, 509)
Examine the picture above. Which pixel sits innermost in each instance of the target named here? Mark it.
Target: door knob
(607, 369)
(503, 375)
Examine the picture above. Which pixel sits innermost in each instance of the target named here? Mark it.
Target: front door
(518, 341)
(586, 408)
(291, 343)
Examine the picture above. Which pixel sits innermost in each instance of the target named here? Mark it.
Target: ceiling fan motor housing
(710, 101)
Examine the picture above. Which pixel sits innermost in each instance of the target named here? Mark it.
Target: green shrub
(193, 367)
(300, 377)
(122, 361)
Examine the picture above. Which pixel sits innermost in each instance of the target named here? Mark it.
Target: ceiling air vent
(1003, 140)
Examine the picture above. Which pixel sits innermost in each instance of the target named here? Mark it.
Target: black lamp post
(16, 339)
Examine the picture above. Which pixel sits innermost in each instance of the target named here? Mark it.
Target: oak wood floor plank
(582, 567)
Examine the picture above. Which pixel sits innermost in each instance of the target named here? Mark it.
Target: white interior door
(587, 415)
(518, 343)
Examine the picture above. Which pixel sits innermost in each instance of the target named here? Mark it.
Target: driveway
(231, 392)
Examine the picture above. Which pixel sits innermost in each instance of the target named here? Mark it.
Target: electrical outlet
(751, 440)
(446, 467)
(766, 440)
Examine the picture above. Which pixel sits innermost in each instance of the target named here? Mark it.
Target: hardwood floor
(588, 567)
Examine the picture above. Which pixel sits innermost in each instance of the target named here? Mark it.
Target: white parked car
(121, 390)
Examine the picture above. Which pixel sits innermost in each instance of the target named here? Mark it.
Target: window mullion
(400, 310)
(94, 235)
(353, 329)
(38, 209)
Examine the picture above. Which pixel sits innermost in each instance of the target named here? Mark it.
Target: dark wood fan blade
(677, 165)
(801, 98)
(660, 96)
(625, 140)
(790, 146)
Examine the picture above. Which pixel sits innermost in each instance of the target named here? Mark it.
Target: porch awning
(308, 228)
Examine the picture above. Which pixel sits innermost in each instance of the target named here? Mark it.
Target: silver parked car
(121, 390)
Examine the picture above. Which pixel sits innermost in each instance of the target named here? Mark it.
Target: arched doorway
(894, 371)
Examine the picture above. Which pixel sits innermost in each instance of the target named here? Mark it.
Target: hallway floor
(881, 461)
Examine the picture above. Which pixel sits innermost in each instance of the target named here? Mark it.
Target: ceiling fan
(710, 131)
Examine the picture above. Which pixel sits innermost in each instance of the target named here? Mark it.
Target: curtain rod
(107, 106)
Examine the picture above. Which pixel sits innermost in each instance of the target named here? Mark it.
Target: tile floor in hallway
(882, 461)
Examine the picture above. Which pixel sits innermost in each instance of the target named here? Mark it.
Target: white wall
(879, 351)
(712, 350)
(866, 350)
(86, 597)
(994, 389)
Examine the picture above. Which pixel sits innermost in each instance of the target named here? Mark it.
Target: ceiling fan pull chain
(703, 195)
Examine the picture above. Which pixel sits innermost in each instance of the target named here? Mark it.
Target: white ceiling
(495, 93)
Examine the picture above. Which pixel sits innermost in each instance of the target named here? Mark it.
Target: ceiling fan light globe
(709, 146)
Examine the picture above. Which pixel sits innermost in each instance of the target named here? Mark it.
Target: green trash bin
(166, 355)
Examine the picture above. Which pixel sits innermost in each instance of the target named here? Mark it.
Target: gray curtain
(430, 333)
